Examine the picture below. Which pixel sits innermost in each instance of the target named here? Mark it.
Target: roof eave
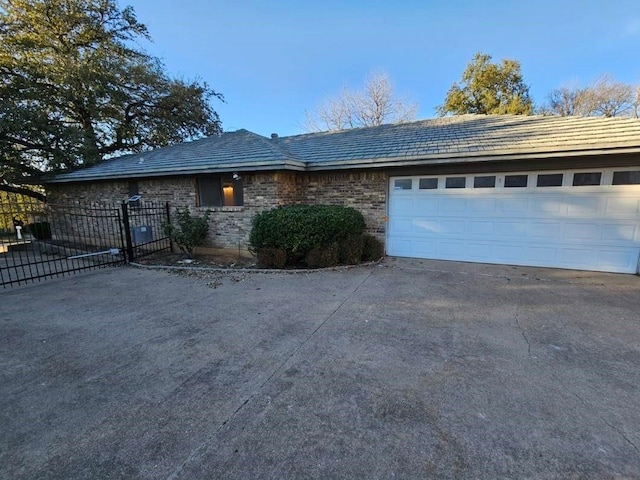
(234, 167)
(296, 165)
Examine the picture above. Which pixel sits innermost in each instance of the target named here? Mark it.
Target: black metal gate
(143, 227)
(40, 240)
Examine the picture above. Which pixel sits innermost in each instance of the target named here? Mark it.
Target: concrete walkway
(412, 369)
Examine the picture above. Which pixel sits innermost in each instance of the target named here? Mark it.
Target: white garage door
(586, 220)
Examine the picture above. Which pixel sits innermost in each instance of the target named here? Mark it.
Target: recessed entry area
(578, 219)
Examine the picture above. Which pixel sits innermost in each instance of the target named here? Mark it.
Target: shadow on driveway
(412, 369)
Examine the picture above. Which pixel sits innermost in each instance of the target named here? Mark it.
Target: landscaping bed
(231, 261)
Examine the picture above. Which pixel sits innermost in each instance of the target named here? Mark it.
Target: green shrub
(322, 257)
(299, 228)
(192, 231)
(40, 230)
(270, 257)
(372, 248)
(350, 249)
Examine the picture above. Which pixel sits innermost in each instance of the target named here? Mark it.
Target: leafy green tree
(74, 88)
(488, 88)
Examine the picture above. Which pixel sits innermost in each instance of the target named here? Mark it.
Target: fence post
(169, 222)
(127, 231)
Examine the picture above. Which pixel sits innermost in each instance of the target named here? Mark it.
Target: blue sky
(273, 60)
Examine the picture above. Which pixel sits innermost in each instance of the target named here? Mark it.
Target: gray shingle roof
(230, 151)
(462, 138)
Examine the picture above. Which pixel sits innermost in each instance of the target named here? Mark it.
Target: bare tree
(611, 98)
(567, 102)
(605, 97)
(375, 104)
(333, 114)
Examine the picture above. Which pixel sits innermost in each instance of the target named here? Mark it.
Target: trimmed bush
(269, 257)
(322, 257)
(40, 230)
(299, 228)
(350, 249)
(372, 248)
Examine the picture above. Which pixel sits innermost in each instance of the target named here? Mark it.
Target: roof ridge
(459, 119)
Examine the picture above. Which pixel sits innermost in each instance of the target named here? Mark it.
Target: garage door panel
(542, 255)
(426, 205)
(424, 248)
(400, 247)
(582, 231)
(584, 206)
(452, 227)
(590, 228)
(476, 251)
(426, 228)
(509, 252)
(481, 228)
(619, 233)
(449, 249)
(401, 206)
(622, 206)
(617, 260)
(482, 206)
(401, 226)
(512, 204)
(581, 257)
(543, 207)
(544, 230)
(509, 229)
(454, 205)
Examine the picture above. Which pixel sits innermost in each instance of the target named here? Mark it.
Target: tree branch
(23, 191)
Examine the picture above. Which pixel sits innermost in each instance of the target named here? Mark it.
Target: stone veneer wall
(230, 226)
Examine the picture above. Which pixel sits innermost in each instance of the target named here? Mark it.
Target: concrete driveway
(411, 369)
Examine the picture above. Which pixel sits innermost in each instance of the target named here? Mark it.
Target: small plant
(40, 230)
(372, 248)
(191, 231)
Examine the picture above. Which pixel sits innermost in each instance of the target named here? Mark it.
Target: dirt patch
(198, 260)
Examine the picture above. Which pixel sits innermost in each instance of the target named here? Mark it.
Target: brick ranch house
(539, 191)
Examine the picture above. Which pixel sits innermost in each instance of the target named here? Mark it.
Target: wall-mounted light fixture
(227, 191)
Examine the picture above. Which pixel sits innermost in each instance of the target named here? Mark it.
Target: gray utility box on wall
(142, 234)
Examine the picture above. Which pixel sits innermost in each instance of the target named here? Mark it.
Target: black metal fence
(40, 240)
